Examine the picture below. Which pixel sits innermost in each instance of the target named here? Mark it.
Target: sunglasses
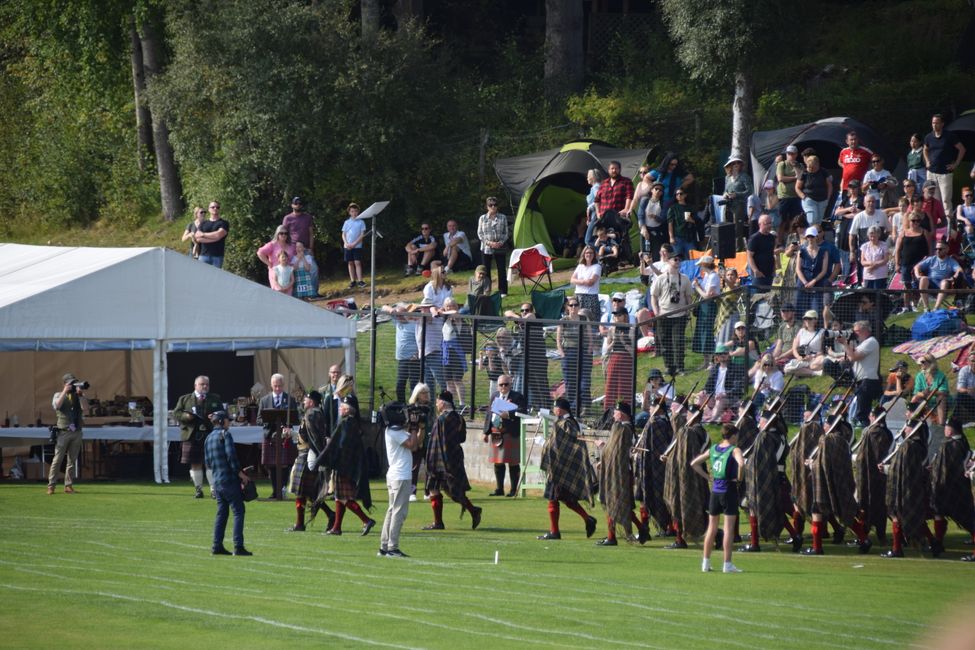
(525, 311)
(876, 161)
(504, 383)
(804, 318)
(617, 300)
(492, 205)
(571, 304)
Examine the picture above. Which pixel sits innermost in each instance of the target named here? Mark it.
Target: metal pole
(372, 316)
(474, 359)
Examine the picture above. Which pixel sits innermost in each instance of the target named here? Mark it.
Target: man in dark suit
(274, 443)
(502, 431)
(726, 383)
(192, 411)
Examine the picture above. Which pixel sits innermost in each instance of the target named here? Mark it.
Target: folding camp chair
(548, 304)
(485, 306)
(532, 264)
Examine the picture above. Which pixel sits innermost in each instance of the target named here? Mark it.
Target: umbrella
(846, 307)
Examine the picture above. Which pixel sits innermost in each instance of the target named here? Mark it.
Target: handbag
(249, 490)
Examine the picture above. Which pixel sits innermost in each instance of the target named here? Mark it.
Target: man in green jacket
(192, 411)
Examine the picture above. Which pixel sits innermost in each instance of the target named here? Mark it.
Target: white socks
(705, 565)
(197, 476)
(210, 478)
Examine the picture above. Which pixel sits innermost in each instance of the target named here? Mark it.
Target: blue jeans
(814, 210)
(433, 372)
(590, 238)
(407, 376)
(844, 264)
(229, 497)
(682, 247)
(879, 283)
(806, 300)
(212, 260)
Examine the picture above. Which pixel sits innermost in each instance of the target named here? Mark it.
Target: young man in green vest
(724, 462)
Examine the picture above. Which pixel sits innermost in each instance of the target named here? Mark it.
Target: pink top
(870, 253)
(270, 251)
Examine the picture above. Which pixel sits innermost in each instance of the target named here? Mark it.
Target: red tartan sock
(300, 511)
(753, 525)
(940, 528)
(817, 534)
(859, 530)
(576, 508)
(553, 517)
(610, 528)
(339, 515)
(927, 533)
(354, 507)
(436, 502)
(644, 516)
(897, 545)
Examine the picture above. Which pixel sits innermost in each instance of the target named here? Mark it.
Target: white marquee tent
(111, 316)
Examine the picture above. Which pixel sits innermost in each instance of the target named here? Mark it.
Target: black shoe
(382, 553)
(865, 547)
(750, 548)
(242, 551)
(367, 527)
(892, 553)
(220, 550)
(811, 551)
(968, 558)
(199, 493)
(497, 493)
(331, 520)
(362, 284)
(607, 542)
(643, 534)
(677, 545)
(937, 548)
(590, 527)
(475, 517)
(793, 540)
(737, 539)
(395, 552)
(838, 535)
(796, 543)
(511, 494)
(550, 535)
(433, 526)
(295, 529)
(332, 531)
(670, 532)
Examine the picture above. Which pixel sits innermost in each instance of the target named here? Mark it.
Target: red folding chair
(532, 264)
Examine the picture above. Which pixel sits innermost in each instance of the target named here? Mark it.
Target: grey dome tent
(549, 187)
(827, 136)
(964, 128)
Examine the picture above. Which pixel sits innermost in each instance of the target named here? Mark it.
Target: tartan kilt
(565, 460)
(832, 480)
(686, 492)
(269, 452)
(802, 490)
(191, 452)
(616, 476)
(650, 472)
(345, 489)
(304, 482)
(870, 481)
(908, 487)
(508, 453)
(763, 485)
(951, 490)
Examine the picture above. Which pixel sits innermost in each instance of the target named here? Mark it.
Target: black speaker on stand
(723, 240)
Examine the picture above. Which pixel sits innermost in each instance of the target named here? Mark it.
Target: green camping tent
(550, 187)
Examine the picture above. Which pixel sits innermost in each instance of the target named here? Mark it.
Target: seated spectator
(930, 379)
(939, 270)
(766, 379)
(784, 335)
(420, 251)
(656, 388)
(965, 402)
(901, 384)
(932, 206)
(456, 252)
(807, 347)
(607, 249)
(479, 283)
(724, 386)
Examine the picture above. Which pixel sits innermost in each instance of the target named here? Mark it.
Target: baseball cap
(68, 377)
(618, 295)
(297, 201)
(812, 231)
(792, 149)
(788, 307)
(853, 183)
(811, 314)
(707, 259)
(721, 349)
(219, 416)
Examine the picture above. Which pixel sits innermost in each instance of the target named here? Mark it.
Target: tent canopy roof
(829, 133)
(73, 293)
(964, 128)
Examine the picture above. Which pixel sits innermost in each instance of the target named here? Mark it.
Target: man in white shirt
(866, 369)
(457, 249)
(400, 444)
(671, 296)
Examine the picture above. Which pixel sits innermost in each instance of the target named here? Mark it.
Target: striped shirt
(221, 456)
(492, 229)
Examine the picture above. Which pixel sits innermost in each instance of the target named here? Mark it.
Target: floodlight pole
(372, 212)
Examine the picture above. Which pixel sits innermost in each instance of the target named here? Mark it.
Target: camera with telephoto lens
(78, 384)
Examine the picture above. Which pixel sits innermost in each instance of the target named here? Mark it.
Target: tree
(719, 42)
(143, 119)
(563, 47)
(371, 12)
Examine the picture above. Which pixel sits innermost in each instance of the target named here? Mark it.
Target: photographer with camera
(70, 404)
(400, 445)
(865, 356)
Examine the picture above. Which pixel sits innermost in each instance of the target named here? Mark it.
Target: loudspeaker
(723, 240)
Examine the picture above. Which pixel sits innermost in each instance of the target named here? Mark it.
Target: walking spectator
(420, 251)
(585, 278)
(457, 249)
(228, 478)
(300, 225)
(271, 251)
(492, 230)
(943, 152)
(212, 235)
(191, 228)
(814, 187)
(737, 189)
(671, 297)
(854, 160)
(874, 255)
(353, 232)
(916, 172)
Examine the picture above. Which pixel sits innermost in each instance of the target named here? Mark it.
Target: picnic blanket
(939, 346)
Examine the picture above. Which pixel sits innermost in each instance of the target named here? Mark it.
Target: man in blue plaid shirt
(221, 458)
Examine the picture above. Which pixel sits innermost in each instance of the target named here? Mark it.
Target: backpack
(936, 323)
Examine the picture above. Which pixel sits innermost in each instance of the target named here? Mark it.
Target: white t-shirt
(651, 215)
(438, 296)
(874, 176)
(864, 221)
(812, 340)
(400, 458)
(283, 274)
(584, 272)
(463, 244)
(776, 381)
(711, 281)
(866, 368)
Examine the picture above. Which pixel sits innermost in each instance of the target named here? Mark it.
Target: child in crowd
(480, 282)
(284, 274)
(306, 273)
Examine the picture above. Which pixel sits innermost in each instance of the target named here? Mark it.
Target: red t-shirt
(855, 163)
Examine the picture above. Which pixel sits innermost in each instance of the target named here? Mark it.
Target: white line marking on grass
(215, 614)
(581, 635)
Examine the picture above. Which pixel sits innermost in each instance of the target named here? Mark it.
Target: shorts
(463, 262)
(907, 277)
(724, 503)
(353, 254)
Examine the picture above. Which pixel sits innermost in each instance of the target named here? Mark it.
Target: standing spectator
(300, 225)
(437, 290)
(269, 253)
(593, 177)
(277, 439)
(191, 228)
(192, 411)
(850, 205)
(457, 249)
(763, 260)
(619, 362)
(306, 272)
(70, 404)
(492, 230)
(284, 274)
(400, 444)
(814, 187)
(942, 154)
(854, 160)
(916, 172)
(897, 218)
(874, 255)
(932, 206)
(353, 232)
(615, 193)
(212, 235)
(671, 297)
(453, 359)
(574, 345)
(938, 270)
(420, 251)
(790, 205)
(673, 176)
(429, 339)
(879, 182)
(641, 194)
(865, 356)
(681, 225)
(737, 189)
(910, 250)
(501, 428)
(228, 478)
(585, 278)
(405, 352)
(420, 418)
(811, 272)
(731, 305)
(870, 216)
(531, 366)
(707, 286)
(654, 223)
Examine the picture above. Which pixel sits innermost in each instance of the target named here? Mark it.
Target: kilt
(802, 489)
(565, 461)
(269, 452)
(650, 471)
(763, 484)
(908, 486)
(685, 492)
(870, 481)
(951, 490)
(304, 482)
(508, 453)
(832, 479)
(345, 489)
(615, 476)
(192, 452)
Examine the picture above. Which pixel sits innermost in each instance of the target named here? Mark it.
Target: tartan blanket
(762, 483)
(832, 479)
(685, 491)
(565, 461)
(802, 491)
(615, 476)
(939, 346)
(445, 457)
(908, 486)
(951, 490)
(650, 471)
(870, 481)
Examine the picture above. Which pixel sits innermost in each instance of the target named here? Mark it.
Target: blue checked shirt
(221, 456)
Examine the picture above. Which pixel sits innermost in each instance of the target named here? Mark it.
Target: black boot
(514, 471)
(499, 479)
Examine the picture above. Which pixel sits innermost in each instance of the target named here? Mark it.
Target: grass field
(128, 565)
